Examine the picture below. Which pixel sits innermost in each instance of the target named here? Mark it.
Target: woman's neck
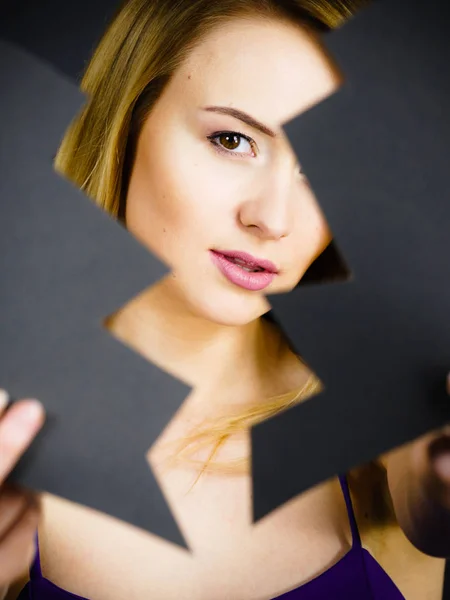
(158, 325)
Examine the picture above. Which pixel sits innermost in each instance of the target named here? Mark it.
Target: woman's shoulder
(416, 574)
(93, 555)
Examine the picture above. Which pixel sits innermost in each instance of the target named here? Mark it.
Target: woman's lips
(237, 268)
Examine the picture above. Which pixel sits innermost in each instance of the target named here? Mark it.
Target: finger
(438, 449)
(17, 550)
(13, 504)
(18, 427)
(439, 454)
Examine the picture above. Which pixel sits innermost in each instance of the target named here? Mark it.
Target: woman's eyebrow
(242, 116)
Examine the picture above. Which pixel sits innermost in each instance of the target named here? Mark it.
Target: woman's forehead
(270, 69)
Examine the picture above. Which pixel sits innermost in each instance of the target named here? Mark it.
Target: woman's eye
(233, 142)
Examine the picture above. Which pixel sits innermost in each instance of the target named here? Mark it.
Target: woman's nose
(268, 210)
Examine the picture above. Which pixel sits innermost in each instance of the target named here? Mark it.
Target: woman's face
(216, 191)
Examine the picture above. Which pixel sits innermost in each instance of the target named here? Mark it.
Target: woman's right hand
(19, 509)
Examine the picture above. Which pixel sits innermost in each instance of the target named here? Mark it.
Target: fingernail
(24, 423)
(31, 412)
(4, 399)
(442, 467)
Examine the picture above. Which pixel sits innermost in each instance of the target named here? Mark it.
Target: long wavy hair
(144, 44)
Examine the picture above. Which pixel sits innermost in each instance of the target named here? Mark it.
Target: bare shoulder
(95, 556)
(416, 574)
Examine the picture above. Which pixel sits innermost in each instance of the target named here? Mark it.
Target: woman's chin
(232, 312)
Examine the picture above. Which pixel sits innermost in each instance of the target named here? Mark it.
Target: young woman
(182, 140)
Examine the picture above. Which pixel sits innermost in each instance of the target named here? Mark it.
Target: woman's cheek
(208, 183)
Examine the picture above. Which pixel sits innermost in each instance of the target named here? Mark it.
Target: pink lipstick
(244, 270)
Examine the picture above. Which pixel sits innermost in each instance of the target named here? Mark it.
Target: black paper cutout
(64, 266)
(276, 443)
(377, 155)
(330, 266)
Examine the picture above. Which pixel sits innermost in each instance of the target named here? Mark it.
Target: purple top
(356, 576)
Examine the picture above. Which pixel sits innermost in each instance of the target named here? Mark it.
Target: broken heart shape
(379, 342)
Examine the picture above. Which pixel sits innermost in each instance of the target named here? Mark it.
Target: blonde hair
(215, 433)
(143, 46)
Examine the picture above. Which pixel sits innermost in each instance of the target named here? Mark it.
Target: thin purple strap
(35, 569)
(356, 538)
